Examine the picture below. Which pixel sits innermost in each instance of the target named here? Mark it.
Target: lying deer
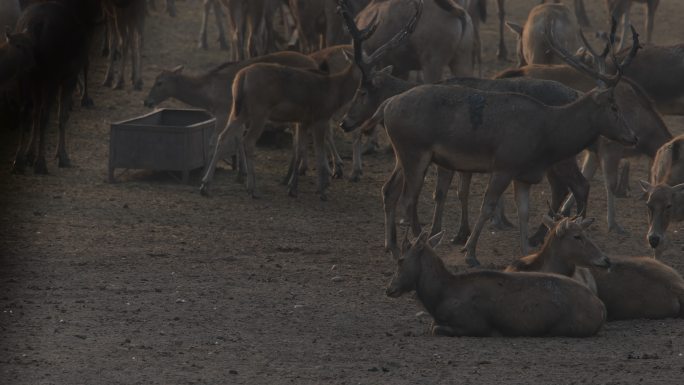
(639, 111)
(532, 46)
(505, 134)
(567, 250)
(664, 194)
(486, 303)
(634, 287)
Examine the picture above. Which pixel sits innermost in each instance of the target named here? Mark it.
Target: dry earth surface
(146, 281)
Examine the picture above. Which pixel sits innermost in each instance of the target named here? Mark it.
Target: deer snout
(653, 240)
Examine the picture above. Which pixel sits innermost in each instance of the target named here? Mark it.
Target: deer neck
(549, 261)
(194, 91)
(573, 128)
(433, 279)
(342, 86)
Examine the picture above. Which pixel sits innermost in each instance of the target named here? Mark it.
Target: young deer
(485, 303)
(511, 136)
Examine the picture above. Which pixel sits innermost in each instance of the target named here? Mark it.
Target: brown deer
(502, 51)
(126, 23)
(532, 47)
(620, 9)
(567, 250)
(251, 21)
(444, 37)
(664, 194)
(632, 287)
(505, 134)
(486, 303)
(317, 22)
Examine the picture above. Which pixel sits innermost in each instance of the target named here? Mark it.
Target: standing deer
(638, 110)
(207, 7)
(486, 303)
(505, 134)
(251, 21)
(664, 194)
(532, 47)
(126, 24)
(444, 37)
(620, 9)
(502, 51)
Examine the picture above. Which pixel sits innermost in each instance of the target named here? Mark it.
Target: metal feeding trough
(164, 140)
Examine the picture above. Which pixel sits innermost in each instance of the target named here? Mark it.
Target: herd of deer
(565, 97)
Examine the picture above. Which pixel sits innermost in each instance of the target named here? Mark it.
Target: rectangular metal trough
(164, 140)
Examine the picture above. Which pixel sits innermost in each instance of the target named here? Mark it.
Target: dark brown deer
(58, 32)
(486, 303)
(504, 134)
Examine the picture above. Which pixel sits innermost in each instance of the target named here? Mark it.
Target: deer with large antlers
(637, 108)
(511, 136)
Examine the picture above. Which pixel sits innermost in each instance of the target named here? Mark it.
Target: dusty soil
(145, 281)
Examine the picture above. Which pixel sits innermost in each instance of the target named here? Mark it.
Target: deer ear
(647, 187)
(178, 69)
(515, 28)
(436, 239)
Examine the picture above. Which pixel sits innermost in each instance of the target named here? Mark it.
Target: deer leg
(589, 167)
(40, 167)
(498, 183)
(218, 13)
(231, 131)
(391, 192)
(319, 132)
(610, 160)
(113, 49)
(502, 52)
(357, 151)
(19, 164)
(65, 101)
(124, 37)
(256, 128)
(202, 41)
(414, 177)
(622, 187)
(499, 220)
(522, 201)
(650, 15)
(299, 150)
(171, 7)
(444, 178)
(463, 195)
(338, 164)
(581, 14)
(137, 47)
(86, 100)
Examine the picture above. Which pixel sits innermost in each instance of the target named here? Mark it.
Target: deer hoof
(617, 229)
(472, 261)
(204, 189)
(461, 238)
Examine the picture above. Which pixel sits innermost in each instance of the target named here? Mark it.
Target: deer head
(408, 265)
(370, 93)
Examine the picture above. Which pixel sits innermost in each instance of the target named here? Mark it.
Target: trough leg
(498, 183)
(444, 178)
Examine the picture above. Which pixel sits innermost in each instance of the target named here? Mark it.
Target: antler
(366, 63)
(600, 76)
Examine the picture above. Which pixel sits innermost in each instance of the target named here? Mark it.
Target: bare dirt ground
(145, 281)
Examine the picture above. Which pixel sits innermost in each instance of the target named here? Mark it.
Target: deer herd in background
(564, 97)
